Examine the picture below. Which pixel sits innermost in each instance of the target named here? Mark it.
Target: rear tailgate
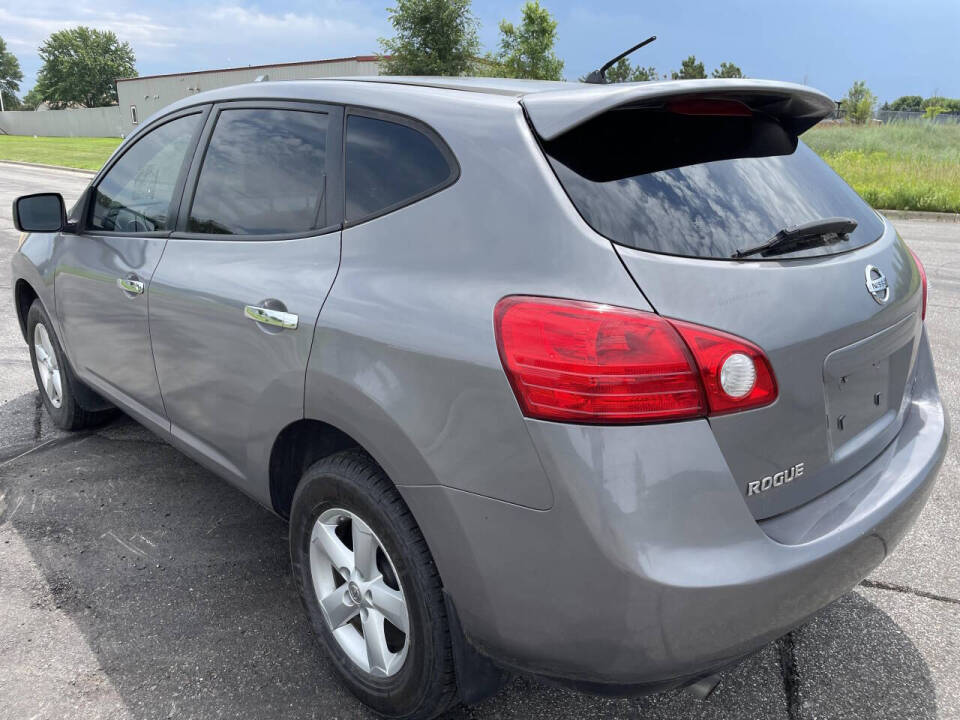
(833, 350)
(679, 186)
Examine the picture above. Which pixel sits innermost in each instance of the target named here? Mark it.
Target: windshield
(702, 186)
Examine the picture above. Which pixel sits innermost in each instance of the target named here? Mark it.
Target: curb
(49, 167)
(921, 215)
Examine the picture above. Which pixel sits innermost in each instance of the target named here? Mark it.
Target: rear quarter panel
(404, 357)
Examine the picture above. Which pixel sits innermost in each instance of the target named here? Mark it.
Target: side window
(388, 164)
(263, 173)
(136, 193)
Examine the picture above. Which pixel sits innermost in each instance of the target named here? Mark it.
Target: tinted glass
(388, 164)
(704, 187)
(263, 174)
(136, 194)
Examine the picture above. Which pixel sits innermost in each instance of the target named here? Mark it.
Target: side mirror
(43, 212)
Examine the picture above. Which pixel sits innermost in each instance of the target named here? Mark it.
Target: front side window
(136, 194)
(263, 174)
(389, 164)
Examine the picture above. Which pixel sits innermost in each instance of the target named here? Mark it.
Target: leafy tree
(932, 111)
(948, 104)
(81, 66)
(911, 103)
(31, 100)
(728, 70)
(433, 37)
(527, 51)
(690, 69)
(10, 77)
(620, 72)
(858, 105)
(623, 71)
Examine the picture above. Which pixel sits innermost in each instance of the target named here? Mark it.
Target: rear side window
(390, 164)
(136, 193)
(263, 174)
(701, 186)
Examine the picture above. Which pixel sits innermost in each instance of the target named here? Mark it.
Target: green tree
(690, 69)
(728, 70)
(623, 71)
(910, 103)
(433, 37)
(858, 105)
(527, 51)
(31, 100)
(948, 104)
(10, 77)
(81, 66)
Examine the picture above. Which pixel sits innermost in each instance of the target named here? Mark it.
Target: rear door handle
(131, 286)
(273, 318)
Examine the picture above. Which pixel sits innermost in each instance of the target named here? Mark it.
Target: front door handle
(273, 318)
(131, 286)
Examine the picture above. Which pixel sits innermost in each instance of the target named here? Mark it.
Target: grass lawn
(912, 166)
(81, 152)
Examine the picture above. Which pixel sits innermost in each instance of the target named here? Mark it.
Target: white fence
(86, 122)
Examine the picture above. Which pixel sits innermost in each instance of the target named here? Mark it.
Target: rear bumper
(650, 569)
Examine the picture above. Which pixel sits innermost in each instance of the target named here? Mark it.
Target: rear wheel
(371, 589)
(55, 381)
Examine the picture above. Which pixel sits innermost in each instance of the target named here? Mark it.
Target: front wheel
(371, 589)
(55, 382)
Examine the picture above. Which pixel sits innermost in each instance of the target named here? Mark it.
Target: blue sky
(899, 47)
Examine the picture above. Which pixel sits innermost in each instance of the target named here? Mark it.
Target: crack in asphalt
(37, 417)
(790, 671)
(893, 587)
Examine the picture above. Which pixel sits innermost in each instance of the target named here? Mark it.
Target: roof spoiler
(796, 107)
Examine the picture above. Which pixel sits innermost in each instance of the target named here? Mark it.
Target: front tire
(55, 381)
(371, 589)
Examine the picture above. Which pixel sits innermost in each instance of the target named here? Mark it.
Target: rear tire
(341, 495)
(55, 381)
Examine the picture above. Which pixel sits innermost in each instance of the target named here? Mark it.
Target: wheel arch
(297, 447)
(24, 294)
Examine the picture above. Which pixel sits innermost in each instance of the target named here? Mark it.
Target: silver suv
(609, 384)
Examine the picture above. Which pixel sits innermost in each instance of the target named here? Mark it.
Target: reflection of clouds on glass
(263, 173)
(142, 181)
(712, 209)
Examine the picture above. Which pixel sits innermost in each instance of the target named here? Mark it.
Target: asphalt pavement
(135, 584)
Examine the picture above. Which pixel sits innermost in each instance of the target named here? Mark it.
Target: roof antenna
(599, 77)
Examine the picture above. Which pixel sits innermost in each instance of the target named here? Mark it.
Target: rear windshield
(701, 186)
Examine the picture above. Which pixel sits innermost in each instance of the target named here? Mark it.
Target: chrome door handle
(273, 318)
(130, 286)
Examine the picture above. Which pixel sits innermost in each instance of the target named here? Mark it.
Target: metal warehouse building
(140, 97)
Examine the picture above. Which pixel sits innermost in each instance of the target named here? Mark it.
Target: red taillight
(576, 361)
(923, 281)
(712, 349)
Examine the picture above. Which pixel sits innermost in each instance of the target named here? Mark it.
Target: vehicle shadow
(180, 586)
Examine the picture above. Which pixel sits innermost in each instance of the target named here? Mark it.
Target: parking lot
(135, 584)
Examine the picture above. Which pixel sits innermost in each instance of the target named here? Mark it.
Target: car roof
(552, 107)
(489, 85)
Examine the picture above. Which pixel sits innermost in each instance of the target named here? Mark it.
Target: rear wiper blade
(807, 234)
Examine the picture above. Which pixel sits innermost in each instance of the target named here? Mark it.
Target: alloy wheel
(48, 368)
(359, 592)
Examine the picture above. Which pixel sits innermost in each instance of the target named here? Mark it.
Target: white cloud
(174, 37)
